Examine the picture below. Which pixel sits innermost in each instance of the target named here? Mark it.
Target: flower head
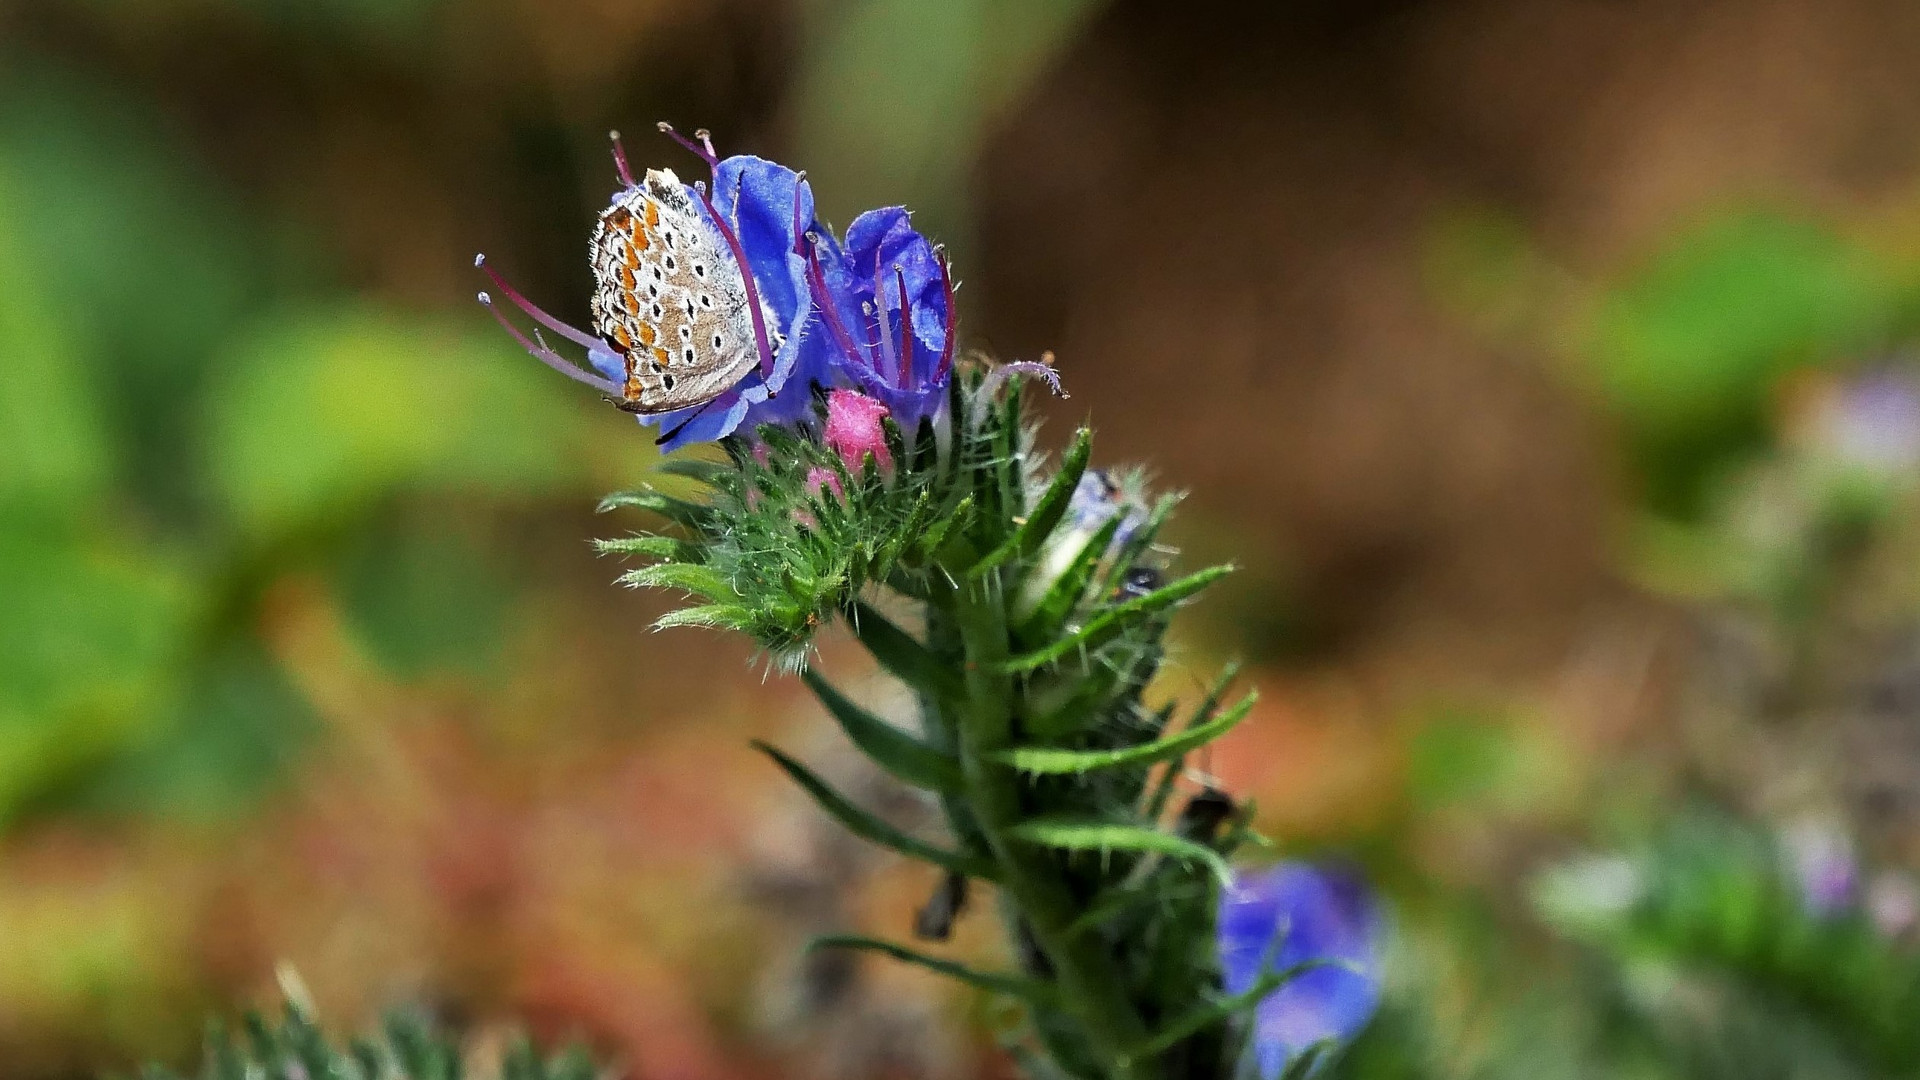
(1291, 914)
(886, 297)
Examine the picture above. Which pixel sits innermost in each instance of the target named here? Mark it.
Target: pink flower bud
(854, 430)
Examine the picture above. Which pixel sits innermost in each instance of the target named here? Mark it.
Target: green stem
(1091, 987)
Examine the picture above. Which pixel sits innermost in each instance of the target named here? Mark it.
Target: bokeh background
(1548, 365)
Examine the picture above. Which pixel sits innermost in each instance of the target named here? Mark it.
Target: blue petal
(770, 207)
(1289, 915)
(702, 423)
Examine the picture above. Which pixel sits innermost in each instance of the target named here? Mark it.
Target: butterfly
(670, 298)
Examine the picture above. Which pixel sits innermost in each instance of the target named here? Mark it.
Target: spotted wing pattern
(669, 298)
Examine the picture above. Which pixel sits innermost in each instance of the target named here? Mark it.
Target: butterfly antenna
(620, 159)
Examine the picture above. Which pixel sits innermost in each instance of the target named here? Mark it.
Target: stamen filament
(620, 159)
(906, 318)
(545, 355)
(578, 337)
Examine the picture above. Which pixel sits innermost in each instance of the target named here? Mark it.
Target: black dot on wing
(716, 341)
(706, 300)
(686, 332)
(700, 270)
(687, 353)
(667, 381)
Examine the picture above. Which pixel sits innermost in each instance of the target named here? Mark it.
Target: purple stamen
(753, 290)
(799, 227)
(906, 318)
(578, 337)
(620, 159)
(824, 299)
(946, 344)
(702, 149)
(545, 355)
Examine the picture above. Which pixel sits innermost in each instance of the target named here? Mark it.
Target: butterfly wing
(669, 298)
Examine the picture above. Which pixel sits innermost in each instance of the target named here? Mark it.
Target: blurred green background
(1549, 365)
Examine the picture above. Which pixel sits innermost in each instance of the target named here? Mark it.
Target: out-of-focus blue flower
(1873, 421)
(1824, 866)
(1291, 914)
(887, 301)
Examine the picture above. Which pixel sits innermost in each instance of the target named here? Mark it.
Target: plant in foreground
(870, 476)
(407, 1048)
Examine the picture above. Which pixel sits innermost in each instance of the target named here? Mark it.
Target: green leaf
(679, 511)
(709, 616)
(1010, 985)
(903, 657)
(648, 547)
(868, 827)
(1076, 834)
(1206, 1015)
(1035, 759)
(1114, 621)
(691, 577)
(1046, 515)
(1049, 611)
(906, 757)
(696, 469)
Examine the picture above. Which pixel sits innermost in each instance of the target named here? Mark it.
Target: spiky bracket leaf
(1043, 760)
(1114, 621)
(1085, 835)
(1031, 990)
(907, 758)
(865, 825)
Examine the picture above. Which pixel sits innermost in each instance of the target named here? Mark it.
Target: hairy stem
(1091, 987)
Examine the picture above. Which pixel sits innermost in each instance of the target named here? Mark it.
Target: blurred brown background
(1436, 308)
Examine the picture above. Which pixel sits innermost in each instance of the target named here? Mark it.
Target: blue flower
(886, 297)
(1290, 914)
